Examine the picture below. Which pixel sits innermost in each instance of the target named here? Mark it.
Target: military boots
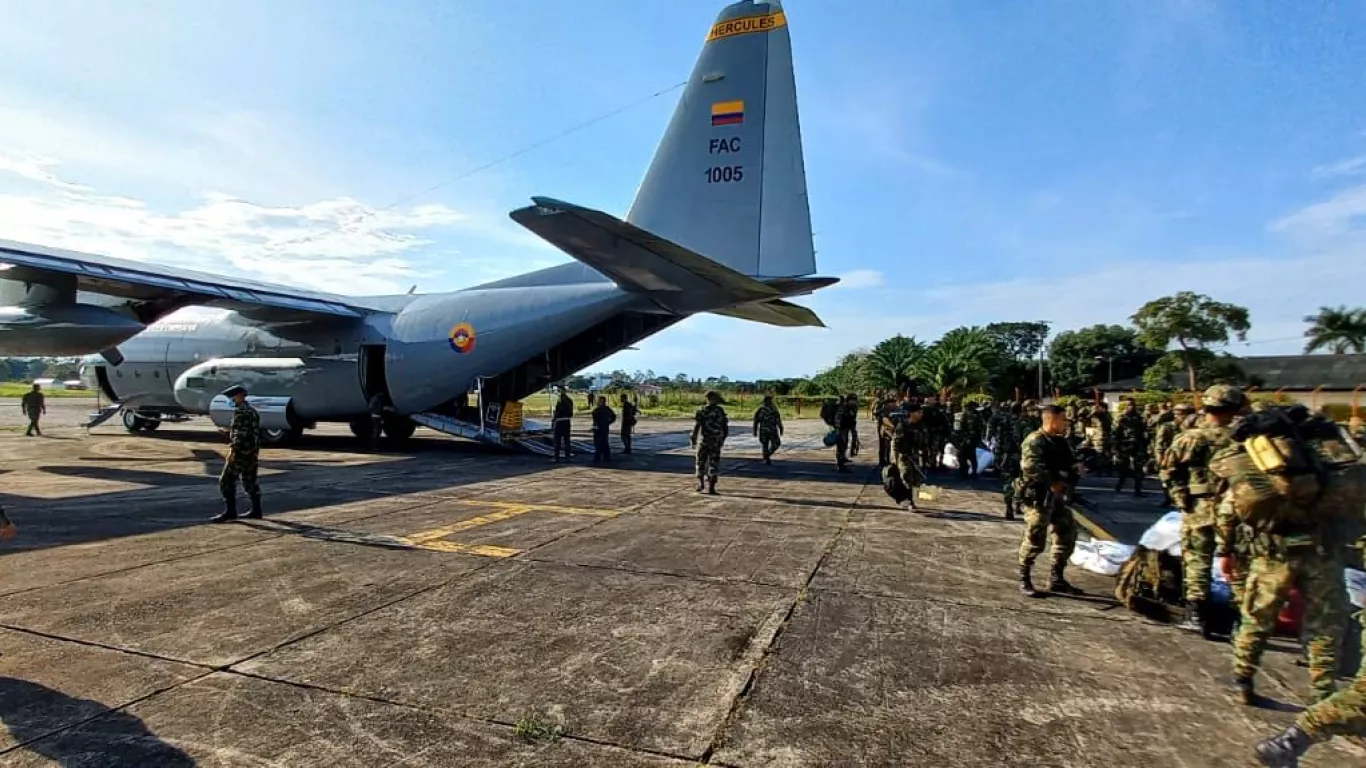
(1284, 751)
(229, 510)
(255, 511)
(1027, 582)
(711, 486)
(1010, 509)
(1058, 584)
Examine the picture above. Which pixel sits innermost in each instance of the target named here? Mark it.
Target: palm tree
(892, 363)
(963, 358)
(1340, 330)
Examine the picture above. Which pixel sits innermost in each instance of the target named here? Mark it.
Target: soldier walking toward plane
(603, 417)
(846, 431)
(1168, 427)
(968, 440)
(768, 427)
(710, 428)
(882, 419)
(909, 437)
(1007, 446)
(629, 410)
(1191, 485)
(34, 406)
(1129, 438)
(244, 436)
(1047, 472)
(561, 421)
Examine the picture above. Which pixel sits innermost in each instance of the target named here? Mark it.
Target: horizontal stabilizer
(799, 286)
(676, 278)
(778, 312)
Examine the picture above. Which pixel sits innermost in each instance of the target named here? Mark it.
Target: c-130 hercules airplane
(720, 224)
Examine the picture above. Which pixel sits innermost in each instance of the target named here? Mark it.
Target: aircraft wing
(149, 291)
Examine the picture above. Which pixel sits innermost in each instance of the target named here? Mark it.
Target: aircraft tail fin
(728, 180)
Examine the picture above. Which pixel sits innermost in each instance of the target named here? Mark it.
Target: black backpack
(828, 410)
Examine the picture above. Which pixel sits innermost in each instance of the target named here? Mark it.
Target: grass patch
(537, 728)
(19, 388)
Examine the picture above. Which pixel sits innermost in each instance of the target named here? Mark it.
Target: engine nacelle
(277, 413)
(62, 330)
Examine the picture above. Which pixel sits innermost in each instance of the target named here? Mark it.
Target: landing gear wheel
(150, 424)
(277, 437)
(360, 427)
(399, 428)
(136, 422)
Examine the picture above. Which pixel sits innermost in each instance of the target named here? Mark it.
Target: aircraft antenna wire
(341, 228)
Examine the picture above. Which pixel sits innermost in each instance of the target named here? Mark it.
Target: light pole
(1041, 348)
(1111, 360)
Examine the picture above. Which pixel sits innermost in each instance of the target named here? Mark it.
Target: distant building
(1309, 379)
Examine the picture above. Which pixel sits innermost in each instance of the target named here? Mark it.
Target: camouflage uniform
(1129, 440)
(936, 425)
(245, 439)
(846, 431)
(881, 409)
(909, 437)
(968, 440)
(1185, 473)
(1233, 540)
(710, 429)
(1044, 460)
(1286, 556)
(768, 427)
(1007, 448)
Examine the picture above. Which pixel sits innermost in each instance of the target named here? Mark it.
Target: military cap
(1031, 403)
(1222, 396)
(235, 390)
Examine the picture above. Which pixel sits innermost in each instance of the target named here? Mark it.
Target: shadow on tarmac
(113, 737)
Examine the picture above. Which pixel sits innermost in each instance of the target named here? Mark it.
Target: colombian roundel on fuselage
(462, 338)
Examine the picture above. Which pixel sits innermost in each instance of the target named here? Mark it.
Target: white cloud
(1352, 166)
(337, 244)
(860, 278)
(1324, 221)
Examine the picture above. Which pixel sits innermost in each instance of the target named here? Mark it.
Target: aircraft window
(137, 374)
(196, 382)
(156, 374)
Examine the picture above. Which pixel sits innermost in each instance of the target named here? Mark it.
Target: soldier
(1048, 470)
(244, 435)
(34, 406)
(629, 411)
(603, 417)
(768, 427)
(1289, 552)
(1163, 437)
(376, 407)
(882, 418)
(1341, 714)
(908, 446)
(846, 428)
(1008, 453)
(560, 424)
(710, 428)
(968, 440)
(935, 423)
(1129, 441)
(1191, 485)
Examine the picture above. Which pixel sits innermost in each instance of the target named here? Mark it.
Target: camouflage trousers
(1269, 580)
(241, 466)
(1037, 522)
(1197, 558)
(769, 440)
(844, 441)
(1343, 713)
(1010, 469)
(911, 474)
(708, 460)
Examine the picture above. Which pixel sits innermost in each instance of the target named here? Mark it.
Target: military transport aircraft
(719, 224)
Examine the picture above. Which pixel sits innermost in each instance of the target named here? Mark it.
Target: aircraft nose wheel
(277, 437)
(135, 422)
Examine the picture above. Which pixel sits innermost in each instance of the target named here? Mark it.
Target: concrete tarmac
(453, 605)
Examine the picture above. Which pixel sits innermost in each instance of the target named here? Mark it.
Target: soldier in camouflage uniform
(909, 436)
(968, 440)
(846, 431)
(929, 421)
(1129, 441)
(1007, 447)
(244, 434)
(710, 428)
(1341, 714)
(1164, 436)
(1193, 488)
(882, 418)
(768, 427)
(1047, 472)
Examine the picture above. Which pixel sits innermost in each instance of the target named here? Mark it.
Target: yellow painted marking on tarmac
(1091, 526)
(538, 507)
(507, 512)
(482, 550)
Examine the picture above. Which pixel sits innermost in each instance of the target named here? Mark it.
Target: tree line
(27, 369)
(1173, 339)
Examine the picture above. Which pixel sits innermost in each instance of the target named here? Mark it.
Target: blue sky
(967, 162)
